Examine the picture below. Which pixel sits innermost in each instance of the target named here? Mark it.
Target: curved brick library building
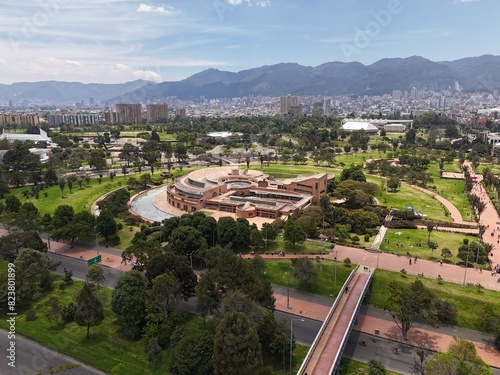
(245, 193)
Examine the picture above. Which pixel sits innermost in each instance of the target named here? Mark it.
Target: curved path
(454, 212)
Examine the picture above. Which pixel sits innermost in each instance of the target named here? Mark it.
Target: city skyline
(111, 41)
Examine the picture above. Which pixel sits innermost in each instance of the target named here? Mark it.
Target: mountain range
(471, 74)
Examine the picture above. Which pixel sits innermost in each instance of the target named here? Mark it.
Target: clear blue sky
(113, 41)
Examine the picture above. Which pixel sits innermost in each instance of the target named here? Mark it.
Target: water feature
(143, 205)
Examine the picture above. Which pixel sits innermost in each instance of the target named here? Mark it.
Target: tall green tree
(226, 230)
(28, 217)
(193, 355)
(89, 312)
(97, 159)
(409, 303)
(30, 265)
(304, 272)
(95, 275)
(237, 350)
(162, 307)
(128, 301)
(293, 234)
(63, 214)
(106, 225)
(151, 153)
(180, 268)
(460, 359)
(186, 240)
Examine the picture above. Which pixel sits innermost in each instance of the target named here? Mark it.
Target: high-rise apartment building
(156, 112)
(327, 106)
(19, 119)
(290, 104)
(180, 112)
(129, 113)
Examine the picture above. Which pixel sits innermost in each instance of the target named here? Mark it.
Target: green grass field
(451, 189)
(410, 237)
(79, 199)
(467, 300)
(407, 196)
(101, 349)
(325, 285)
(495, 168)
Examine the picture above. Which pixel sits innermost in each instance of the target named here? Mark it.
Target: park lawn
(308, 247)
(325, 284)
(290, 170)
(407, 196)
(451, 189)
(467, 299)
(126, 235)
(350, 366)
(106, 348)
(358, 158)
(410, 237)
(495, 168)
(79, 199)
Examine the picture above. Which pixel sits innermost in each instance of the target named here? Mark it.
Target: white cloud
(466, 1)
(73, 62)
(145, 8)
(147, 75)
(262, 3)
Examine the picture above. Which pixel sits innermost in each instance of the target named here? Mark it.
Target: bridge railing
(325, 323)
(336, 363)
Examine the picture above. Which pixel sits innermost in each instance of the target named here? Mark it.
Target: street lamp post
(335, 273)
(466, 264)
(265, 251)
(291, 341)
(191, 258)
(288, 288)
(96, 243)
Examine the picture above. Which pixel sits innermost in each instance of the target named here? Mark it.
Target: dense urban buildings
(471, 109)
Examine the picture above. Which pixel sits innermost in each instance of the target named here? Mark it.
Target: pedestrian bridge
(326, 351)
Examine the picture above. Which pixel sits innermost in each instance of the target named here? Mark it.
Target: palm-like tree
(430, 227)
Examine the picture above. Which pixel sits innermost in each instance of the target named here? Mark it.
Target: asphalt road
(79, 268)
(31, 356)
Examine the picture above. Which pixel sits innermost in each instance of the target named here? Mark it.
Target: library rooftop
(245, 193)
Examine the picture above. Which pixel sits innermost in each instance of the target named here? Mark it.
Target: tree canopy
(460, 359)
(409, 303)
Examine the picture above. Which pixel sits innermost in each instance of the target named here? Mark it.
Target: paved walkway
(489, 217)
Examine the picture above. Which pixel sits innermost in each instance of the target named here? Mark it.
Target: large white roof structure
(42, 137)
(354, 126)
